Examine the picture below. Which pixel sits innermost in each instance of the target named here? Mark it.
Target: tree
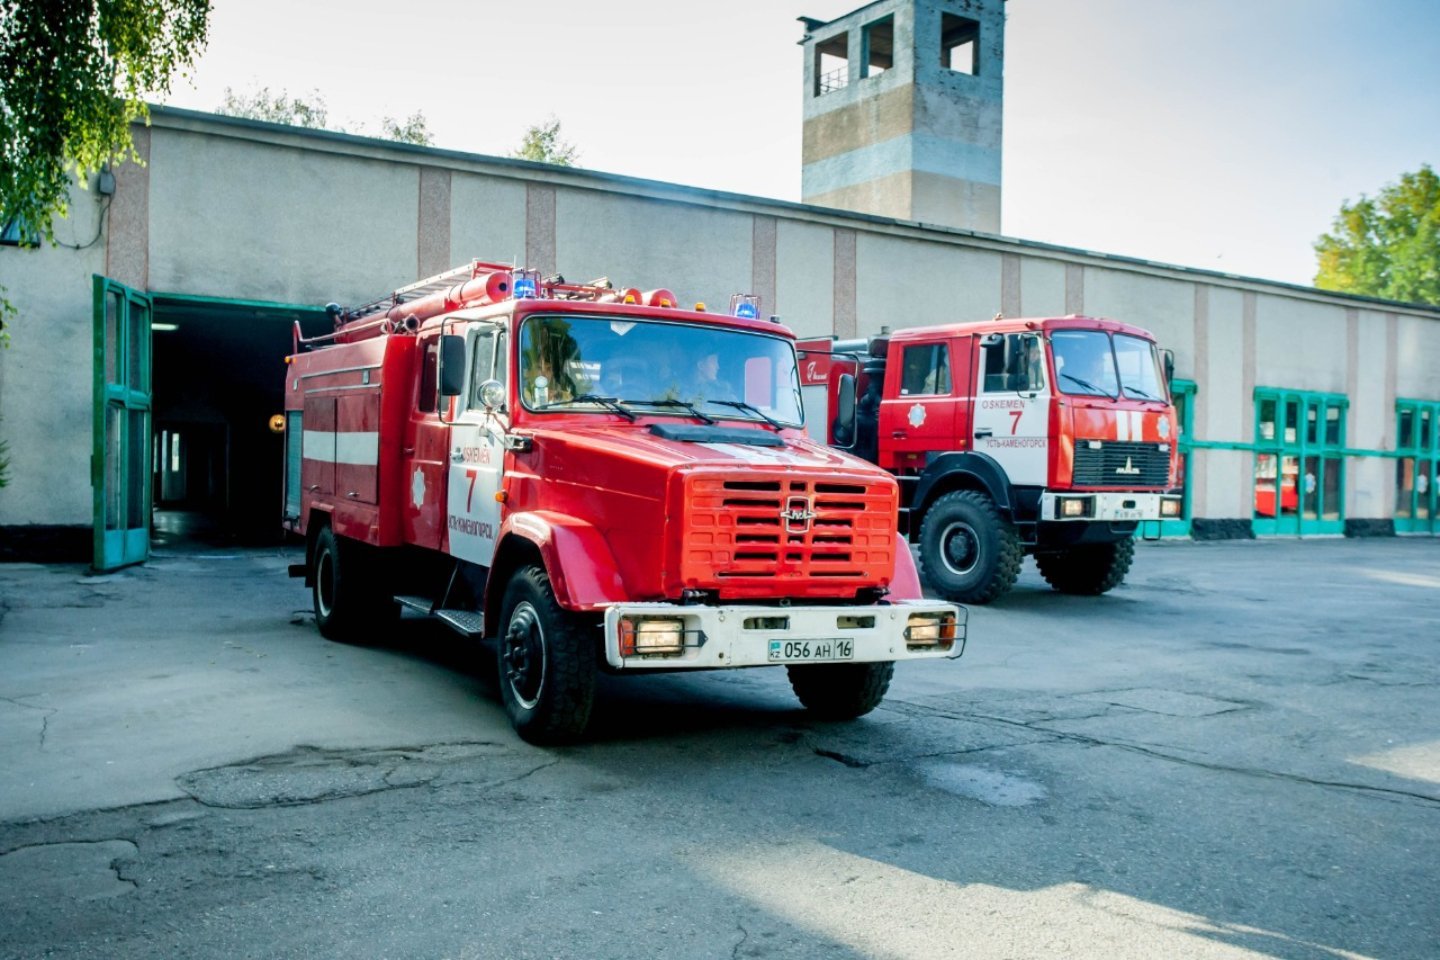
(277, 108)
(1387, 247)
(314, 113)
(73, 77)
(542, 144)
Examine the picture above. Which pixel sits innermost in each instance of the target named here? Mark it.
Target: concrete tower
(903, 103)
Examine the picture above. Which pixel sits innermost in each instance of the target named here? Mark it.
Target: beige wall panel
(1371, 423)
(45, 385)
(233, 218)
(1224, 498)
(487, 219)
(1299, 345)
(699, 253)
(804, 285)
(909, 283)
(1226, 411)
(1042, 287)
(1370, 488)
(1164, 307)
(1417, 374)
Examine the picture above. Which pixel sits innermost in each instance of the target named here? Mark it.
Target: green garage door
(120, 463)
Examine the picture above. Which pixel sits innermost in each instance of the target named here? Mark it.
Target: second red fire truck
(594, 479)
(1053, 437)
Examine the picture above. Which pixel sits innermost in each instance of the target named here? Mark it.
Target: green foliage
(74, 74)
(314, 113)
(542, 144)
(277, 108)
(1387, 247)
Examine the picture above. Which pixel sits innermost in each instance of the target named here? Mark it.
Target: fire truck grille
(1120, 464)
(754, 532)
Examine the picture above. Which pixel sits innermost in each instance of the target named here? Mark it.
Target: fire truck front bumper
(665, 636)
(1115, 507)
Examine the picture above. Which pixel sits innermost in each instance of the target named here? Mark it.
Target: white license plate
(1129, 515)
(805, 651)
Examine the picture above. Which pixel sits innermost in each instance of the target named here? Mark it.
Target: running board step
(465, 622)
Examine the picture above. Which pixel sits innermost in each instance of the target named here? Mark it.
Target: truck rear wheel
(1088, 570)
(547, 661)
(970, 554)
(350, 604)
(840, 691)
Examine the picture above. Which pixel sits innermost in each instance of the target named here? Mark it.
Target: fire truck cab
(1053, 437)
(593, 479)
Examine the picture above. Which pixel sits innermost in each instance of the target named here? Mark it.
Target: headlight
(1069, 507)
(642, 636)
(924, 630)
(1170, 508)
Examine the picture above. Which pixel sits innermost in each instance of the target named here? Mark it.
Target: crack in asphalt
(855, 762)
(744, 935)
(1148, 751)
(44, 721)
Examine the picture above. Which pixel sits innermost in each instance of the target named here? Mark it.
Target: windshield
(593, 363)
(1139, 367)
(1084, 365)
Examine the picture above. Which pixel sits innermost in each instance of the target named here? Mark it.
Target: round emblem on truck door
(917, 415)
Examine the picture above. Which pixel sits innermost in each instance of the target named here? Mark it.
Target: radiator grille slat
(1119, 463)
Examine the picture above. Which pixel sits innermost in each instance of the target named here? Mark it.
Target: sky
(1221, 134)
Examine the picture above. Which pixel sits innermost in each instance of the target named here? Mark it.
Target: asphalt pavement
(1235, 754)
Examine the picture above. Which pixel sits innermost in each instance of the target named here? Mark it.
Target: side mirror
(452, 365)
(844, 428)
(1168, 360)
(992, 340)
(492, 395)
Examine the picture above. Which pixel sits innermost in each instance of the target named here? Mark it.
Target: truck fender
(960, 471)
(578, 561)
(905, 580)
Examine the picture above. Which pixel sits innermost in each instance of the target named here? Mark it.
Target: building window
(878, 53)
(832, 64)
(1417, 447)
(959, 44)
(925, 370)
(17, 233)
(1299, 462)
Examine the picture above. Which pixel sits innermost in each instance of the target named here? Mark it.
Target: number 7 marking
(1015, 420)
(469, 496)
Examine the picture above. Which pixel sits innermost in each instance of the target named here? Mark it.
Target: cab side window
(429, 397)
(1015, 364)
(925, 369)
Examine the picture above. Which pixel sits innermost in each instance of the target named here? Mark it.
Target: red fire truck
(593, 478)
(1052, 437)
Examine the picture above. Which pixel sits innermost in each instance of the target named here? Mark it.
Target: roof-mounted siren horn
(745, 305)
(659, 297)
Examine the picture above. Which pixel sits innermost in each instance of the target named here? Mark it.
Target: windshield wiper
(1089, 386)
(1136, 390)
(742, 405)
(609, 403)
(688, 407)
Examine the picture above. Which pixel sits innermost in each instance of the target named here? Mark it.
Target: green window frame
(1182, 395)
(1417, 452)
(1299, 479)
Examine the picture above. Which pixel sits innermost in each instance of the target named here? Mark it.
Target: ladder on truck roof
(425, 287)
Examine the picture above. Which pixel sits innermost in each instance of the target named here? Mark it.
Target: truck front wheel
(840, 691)
(1089, 570)
(970, 554)
(547, 661)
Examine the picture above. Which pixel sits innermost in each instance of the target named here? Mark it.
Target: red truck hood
(641, 446)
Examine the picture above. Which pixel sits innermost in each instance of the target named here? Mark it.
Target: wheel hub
(959, 548)
(523, 655)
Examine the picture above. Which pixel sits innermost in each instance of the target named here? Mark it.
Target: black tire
(1088, 570)
(547, 661)
(840, 691)
(350, 604)
(970, 554)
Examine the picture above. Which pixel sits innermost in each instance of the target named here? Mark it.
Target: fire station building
(146, 360)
